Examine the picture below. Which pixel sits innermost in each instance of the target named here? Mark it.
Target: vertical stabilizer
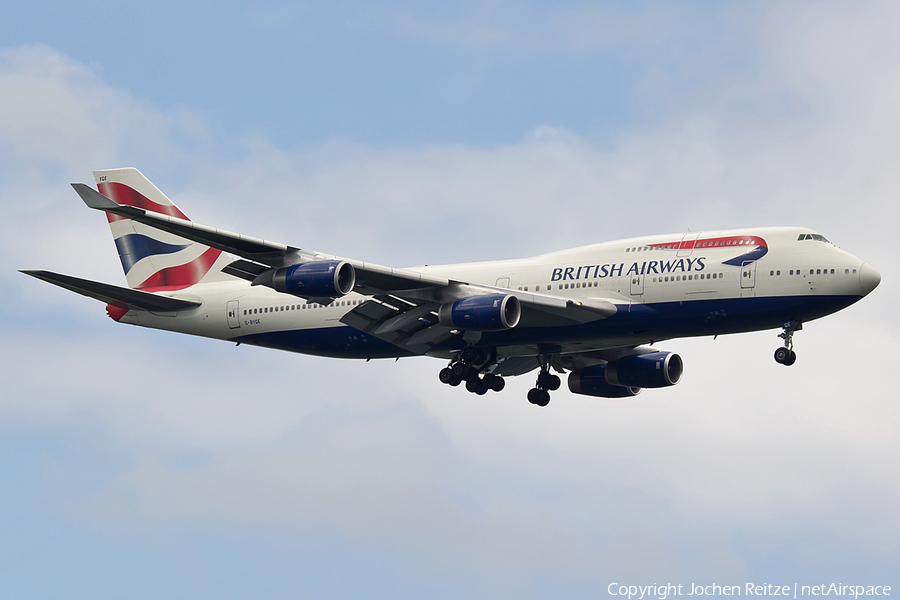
(154, 259)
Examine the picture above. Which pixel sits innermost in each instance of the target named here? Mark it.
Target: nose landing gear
(786, 355)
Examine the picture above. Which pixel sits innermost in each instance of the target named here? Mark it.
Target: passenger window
(537, 288)
(846, 271)
(832, 271)
(818, 271)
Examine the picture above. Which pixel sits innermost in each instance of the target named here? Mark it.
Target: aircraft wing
(409, 324)
(400, 290)
(113, 294)
(257, 251)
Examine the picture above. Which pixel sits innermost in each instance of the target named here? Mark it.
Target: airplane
(595, 311)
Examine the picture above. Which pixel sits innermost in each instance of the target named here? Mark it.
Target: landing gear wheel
(455, 381)
(446, 375)
(539, 397)
(497, 383)
(467, 355)
(782, 355)
(471, 355)
(459, 369)
(553, 383)
(791, 359)
(472, 385)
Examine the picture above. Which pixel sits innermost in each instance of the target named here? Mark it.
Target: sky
(144, 464)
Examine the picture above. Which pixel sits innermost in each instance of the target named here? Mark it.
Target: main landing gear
(466, 368)
(786, 355)
(546, 383)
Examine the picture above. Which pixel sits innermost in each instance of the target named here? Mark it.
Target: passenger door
(748, 274)
(232, 309)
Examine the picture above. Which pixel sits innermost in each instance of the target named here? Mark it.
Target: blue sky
(142, 464)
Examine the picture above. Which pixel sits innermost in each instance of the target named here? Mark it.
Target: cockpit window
(812, 236)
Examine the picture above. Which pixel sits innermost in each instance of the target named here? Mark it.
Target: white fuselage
(664, 286)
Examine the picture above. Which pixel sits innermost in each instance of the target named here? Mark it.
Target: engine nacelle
(320, 279)
(492, 312)
(651, 370)
(591, 381)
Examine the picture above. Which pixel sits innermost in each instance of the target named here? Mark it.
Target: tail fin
(154, 260)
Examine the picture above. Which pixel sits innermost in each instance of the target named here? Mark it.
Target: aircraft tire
(553, 383)
(791, 359)
(469, 355)
(446, 375)
(782, 355)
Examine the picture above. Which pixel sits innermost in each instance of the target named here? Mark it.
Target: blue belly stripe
(639, 323)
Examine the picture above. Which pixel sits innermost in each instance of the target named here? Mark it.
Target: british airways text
(681, 265)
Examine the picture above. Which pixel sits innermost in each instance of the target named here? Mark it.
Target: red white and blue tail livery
(155, 260)
(594, 311)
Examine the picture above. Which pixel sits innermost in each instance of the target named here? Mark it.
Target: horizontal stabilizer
(113, 294)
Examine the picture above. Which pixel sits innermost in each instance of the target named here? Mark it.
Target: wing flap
(411, 325)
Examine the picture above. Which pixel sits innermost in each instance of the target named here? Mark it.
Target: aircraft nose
(869, 278)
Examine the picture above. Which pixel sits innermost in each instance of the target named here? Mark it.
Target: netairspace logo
(637, 592)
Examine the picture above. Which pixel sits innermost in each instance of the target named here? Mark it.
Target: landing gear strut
(786, 355)
(546, 383)
(467, 367)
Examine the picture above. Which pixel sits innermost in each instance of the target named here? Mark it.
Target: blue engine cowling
(492, 312)
(591, 381)
(651, 370)
(321, 279)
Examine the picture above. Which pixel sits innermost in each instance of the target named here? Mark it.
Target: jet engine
(320, 279)
(492, 312)
(626, 376)
(591, 381)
